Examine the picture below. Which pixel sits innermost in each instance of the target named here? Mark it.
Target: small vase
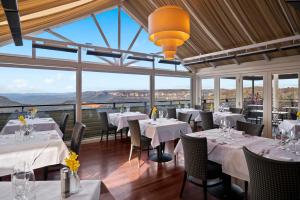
(74, 182)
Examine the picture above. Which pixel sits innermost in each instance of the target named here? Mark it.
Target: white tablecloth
(290, 125)
(48, 144)
(191, 111)
(50, 190)
(228, 116)
(120, 119)
(229, 152)
(40, 124)
(163, 130)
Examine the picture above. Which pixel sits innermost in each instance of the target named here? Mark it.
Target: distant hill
(4, 101)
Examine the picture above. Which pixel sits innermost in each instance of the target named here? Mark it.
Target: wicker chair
(77, 135)
(207, 121)
(293, 116)
(63, 123)
(272, 179)
(236, 110)
(171, 112)
(249, 128)
(105, 127)
(184, 117)
(138, 141)
(198, 107)
(197, 167)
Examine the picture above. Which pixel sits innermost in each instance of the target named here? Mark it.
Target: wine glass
(293, 140)
(161, 114)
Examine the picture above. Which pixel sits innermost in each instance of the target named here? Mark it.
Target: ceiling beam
(119, 26)
(133, 41)
(244, 48)
(58, 35)
(288, 18)
(100, 30)
(243, 28)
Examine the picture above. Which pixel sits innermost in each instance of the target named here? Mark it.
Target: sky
(84, 31)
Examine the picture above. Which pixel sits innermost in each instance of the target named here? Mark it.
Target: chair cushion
(214, 170)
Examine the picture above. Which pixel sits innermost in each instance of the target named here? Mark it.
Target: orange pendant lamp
(169, 27)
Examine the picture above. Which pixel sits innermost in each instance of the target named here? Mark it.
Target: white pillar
(267, 115)
(193, 89)
(217, 93)
(275, 91)
(79, 89)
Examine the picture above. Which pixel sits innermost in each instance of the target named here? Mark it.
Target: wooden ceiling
(215, 24)
(226, 24)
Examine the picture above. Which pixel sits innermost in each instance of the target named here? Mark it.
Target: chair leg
(246, 189)
(183, 184)
(115, 135)
(130, 153)
(205, 189)
(101, 136)
(107, 136)
(148, 151)
(45, 173)
(139, 156)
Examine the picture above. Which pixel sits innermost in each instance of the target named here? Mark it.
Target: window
(207, 92)
(228, 91)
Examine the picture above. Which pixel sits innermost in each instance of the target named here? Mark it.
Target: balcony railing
(89, 112)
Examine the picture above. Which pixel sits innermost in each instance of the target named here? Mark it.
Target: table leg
(160, 156)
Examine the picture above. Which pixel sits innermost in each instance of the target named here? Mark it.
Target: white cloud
(48, 81)
(20, 83)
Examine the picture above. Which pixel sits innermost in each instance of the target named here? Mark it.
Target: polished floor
(108, 161)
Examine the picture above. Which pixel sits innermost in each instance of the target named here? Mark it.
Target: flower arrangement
(72, 162)
(22, 119)
(298, 114)
(211, 107)
(33, 111)
(154, 112)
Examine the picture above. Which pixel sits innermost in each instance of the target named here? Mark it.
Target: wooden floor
(108, 161)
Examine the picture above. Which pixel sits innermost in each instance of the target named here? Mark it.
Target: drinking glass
(160, 114)
(23, 182)
(128, 109)
(293, 141)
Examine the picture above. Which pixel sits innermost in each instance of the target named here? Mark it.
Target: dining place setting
(29, 143)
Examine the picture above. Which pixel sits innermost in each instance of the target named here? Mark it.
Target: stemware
(293, 141)
(161, 114)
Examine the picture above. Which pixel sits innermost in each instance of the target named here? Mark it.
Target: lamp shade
(169, 27)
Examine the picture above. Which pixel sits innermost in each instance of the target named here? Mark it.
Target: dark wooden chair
(105, 126)
(138, 141)
(272, 179)
(63, 123)
(207, 121)
(197, 168)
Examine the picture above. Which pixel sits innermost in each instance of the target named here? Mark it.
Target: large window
(52, 92)
(172, 91)
(228, 91)
(109, 92)
(207, 91)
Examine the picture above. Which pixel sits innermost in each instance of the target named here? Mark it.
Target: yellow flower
(22, 119)
(72, 162)
(154, 110)
(298, 114)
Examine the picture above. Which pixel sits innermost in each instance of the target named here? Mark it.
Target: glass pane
(253, 98)
(284, 99)
(207, 95)
(52, 92)
(108, 92)
(172, 91)
(228, 92)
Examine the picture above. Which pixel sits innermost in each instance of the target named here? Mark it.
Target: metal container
(65, 182)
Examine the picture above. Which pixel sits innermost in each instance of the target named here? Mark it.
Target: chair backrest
(293, 115)
(207, 121)
(171, 113)
(198, 107)
(63, 122)
(103, 119)
(195, 156)
(135, 132)
(272, 179)
(77, 135)
(236, 110)
(249, 128)
(184, 117)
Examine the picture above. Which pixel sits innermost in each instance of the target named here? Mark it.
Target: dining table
(40, 149)
(39, 124)
(227, 149)
(227, 116)
(160, 131)
(194, 112)
(120, 120)
(49, 190)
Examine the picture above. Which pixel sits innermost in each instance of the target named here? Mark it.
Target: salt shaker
(65, 182)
